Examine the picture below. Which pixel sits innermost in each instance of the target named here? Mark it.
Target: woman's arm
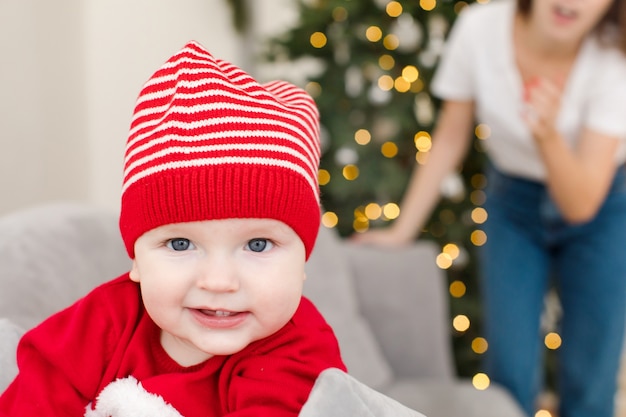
(451, 140)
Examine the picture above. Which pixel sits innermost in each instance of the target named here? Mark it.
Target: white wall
(42, 117)
(69, 76)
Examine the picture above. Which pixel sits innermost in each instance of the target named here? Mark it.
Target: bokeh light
(393, 9)
(457, 289)
(313, 88)
(318, 40)
(350, 172)
(386, 62)
(461, 323)
(478, 237)
(428, 5)
(323, 176)
(479, 345)
(391, 42)
(391, 211)
(443, 261)
(373, 33)
(385, 82)
(362, 136)
(373, 211)
(552, 341)
(452, 250)
(422, 141)
(479, 215)
(481, 381)
(340, 14)
(389, 149)
(401, 85)
(410, 73)
(330, 219)
(482, 131)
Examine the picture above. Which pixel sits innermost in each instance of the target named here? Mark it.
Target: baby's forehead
(233, 223)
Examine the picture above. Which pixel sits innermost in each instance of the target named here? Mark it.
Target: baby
(219, 212)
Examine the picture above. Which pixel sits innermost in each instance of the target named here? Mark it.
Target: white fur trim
(126, 397)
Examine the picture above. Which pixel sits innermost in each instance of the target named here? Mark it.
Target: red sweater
(68, 360)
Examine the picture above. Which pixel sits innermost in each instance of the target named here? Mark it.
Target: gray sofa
(388, 308)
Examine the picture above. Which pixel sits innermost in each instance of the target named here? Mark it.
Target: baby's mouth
(219, 319)
(218, 313)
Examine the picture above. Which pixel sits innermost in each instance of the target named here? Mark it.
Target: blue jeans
(529, 248)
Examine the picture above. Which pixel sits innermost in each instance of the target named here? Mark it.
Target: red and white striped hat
(208, 142)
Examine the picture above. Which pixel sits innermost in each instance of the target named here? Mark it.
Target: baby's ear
(134, 272)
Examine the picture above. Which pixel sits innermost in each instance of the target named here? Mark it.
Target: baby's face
(215, 286)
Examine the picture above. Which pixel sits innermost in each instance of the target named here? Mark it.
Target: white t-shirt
(479, 64)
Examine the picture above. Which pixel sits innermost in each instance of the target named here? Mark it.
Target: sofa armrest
(402, 294)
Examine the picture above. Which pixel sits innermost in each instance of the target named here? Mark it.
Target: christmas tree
(375, 61)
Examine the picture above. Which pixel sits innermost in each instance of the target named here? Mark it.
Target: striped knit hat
(208, 142)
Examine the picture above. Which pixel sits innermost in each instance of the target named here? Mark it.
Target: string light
(457, 289)
(478, 197)
(482, 131)
(459, 6)
(443, 261)
(479, 215)
(391, 42)
(461, 323)
(389, 149)
(428, 5)
(410, 73)
(478, 181)
(340, 14)
(313, 88)
(373, 34)
(362, 137)
(552, 341)
(373, 211)
(401, 84)
(478, 237)
(361, 222)
(452, 250)
(479, 345)
(318, 40)
(385, 82)
(481, 381)
(386, 62)
(330, 219)
(350, 172)
(391, 211)
(393, 9)
(323, 176)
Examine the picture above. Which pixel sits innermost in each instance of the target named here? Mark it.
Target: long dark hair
(612, 26)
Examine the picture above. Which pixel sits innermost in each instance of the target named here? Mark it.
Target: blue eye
(179, 244)
(259, 245)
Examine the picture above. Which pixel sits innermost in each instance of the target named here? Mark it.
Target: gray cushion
(338, 394)
(10, 334)
(330, 286)
(402, 294)
(452, 399)
(54, 254)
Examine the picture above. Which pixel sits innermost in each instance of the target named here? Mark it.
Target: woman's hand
(542, 99)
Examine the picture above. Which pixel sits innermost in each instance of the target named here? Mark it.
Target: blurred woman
(549, 79)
